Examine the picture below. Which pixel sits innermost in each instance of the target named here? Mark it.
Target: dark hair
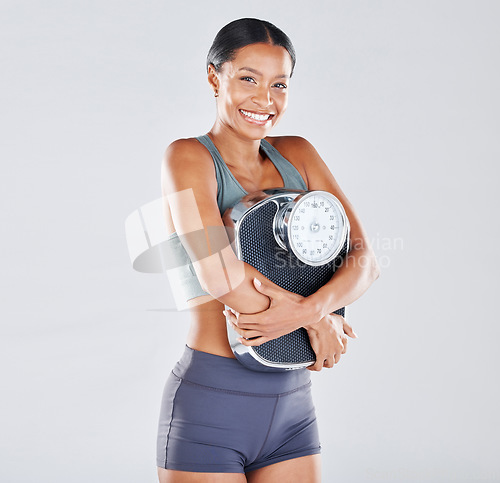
(242, 32)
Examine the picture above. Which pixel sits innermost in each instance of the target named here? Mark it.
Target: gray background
(398, 97)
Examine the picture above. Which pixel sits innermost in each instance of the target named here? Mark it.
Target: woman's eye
(280, 85)
(248, 79)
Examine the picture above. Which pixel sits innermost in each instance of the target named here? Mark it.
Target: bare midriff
(208, 330)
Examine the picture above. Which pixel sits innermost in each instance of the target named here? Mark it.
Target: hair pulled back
(242, 32)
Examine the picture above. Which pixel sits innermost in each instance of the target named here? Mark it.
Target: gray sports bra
(183, 278)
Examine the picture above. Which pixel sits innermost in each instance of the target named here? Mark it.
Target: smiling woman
(258, 96)
(219, 421)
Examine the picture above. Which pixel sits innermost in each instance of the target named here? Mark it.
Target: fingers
(329, 362)
(229, 314)
(249, 335)
(275, 291)
(341, 350)
(317, 366)
(246, 333)
(348, 330)
(242, 320)
(253, 342)
(232, 311)
(331, 346)
(264, 288)
(234, 317)
(252, 334)
(344, 343)
(322, 361)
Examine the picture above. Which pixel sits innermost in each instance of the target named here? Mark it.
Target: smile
(260, 118)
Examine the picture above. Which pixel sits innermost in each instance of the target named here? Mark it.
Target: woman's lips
(255, 117)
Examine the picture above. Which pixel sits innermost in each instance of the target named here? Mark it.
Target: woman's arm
(347, 284)
(189, 190)
(360, 269)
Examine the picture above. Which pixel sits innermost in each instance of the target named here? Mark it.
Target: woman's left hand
(328, 339)
(286, 313)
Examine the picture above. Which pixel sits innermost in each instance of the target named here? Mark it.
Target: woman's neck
(236, 151)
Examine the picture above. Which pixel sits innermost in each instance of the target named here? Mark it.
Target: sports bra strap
(291, 176)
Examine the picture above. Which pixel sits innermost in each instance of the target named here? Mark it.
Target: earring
(216, 94)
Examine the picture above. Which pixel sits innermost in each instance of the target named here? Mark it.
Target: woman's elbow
(375, 269)
(215, 282)
(220, 274)
(368, 264)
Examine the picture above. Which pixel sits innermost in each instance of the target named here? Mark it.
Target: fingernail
(257, 282)
(224, 312)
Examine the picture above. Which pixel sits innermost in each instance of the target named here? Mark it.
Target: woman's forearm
(351, 280)
(230, 281)
(220, 273)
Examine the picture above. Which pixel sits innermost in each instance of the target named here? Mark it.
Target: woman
(221, 422)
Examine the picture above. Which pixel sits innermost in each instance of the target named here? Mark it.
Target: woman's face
(253, 89)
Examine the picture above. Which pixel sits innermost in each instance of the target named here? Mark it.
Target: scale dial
(314, 226)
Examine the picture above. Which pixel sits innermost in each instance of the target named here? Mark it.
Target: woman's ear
(213, 78)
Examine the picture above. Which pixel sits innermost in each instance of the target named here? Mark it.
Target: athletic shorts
(217, 416)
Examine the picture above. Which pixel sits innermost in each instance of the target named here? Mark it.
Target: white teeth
(257, 117)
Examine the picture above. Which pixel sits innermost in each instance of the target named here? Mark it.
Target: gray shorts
(219, 417)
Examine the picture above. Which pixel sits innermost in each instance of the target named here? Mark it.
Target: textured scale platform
(260, 249)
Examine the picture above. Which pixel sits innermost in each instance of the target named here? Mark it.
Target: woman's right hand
(328, 339)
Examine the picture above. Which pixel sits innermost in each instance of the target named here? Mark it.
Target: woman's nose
(262, 97)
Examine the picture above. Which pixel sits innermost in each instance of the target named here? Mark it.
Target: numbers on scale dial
(315, 228)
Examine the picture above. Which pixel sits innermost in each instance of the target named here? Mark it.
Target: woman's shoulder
(188, 153)
(296, 149)
(186, 147)
(288, 142)
(186, 163)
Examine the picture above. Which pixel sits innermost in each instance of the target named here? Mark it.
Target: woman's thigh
(306, 469)
(174, 476)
